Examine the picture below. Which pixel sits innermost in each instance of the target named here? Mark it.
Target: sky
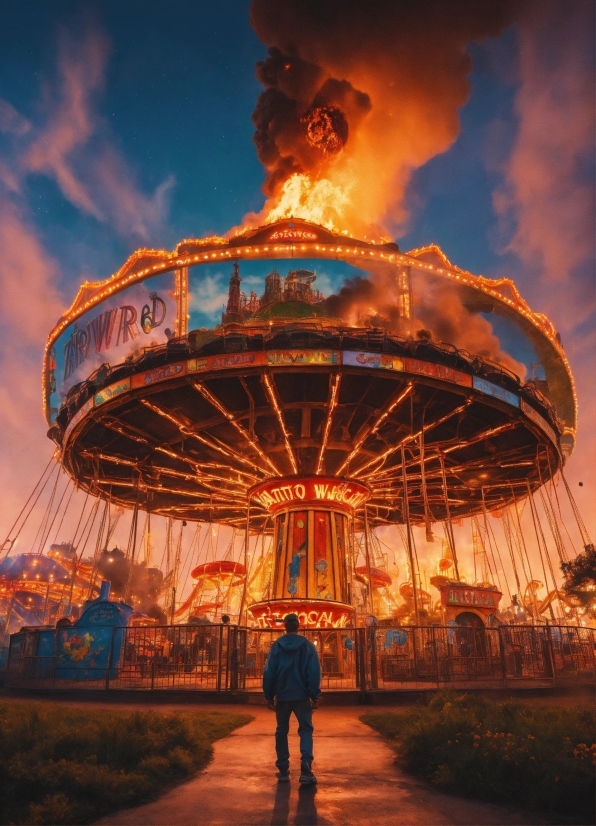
(128, 124)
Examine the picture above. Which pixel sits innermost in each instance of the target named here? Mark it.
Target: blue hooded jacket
(292, 671)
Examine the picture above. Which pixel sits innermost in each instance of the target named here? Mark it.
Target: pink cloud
(547, 196)
(70, 123)
(11, 121)
(75, 146)
(30, 304)
(548, 190)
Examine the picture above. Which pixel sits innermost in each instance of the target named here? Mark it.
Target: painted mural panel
(143, 315)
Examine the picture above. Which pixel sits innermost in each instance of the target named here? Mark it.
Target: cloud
(11, 121)
(70, 124)
(30, 304)
(210, 294)
(545, 201)
(75, 146)
(548, 182)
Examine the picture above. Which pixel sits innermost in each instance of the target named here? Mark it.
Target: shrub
(64, 765)
(539, 758)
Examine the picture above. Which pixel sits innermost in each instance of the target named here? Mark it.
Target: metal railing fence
(228, 658)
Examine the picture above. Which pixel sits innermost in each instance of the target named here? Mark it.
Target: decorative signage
(468, 596)
(532, 414)
(142, 315)
(226, 361)
(169, 371)
(437, 371)
(490, 389)
(298, 358)
(337, 494)
(80, 414)
(311, 613)
(384, 361)
(112, 391)
(378, 361)
(293, 235)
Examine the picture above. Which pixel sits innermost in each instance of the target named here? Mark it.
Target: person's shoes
(283, 776)
(307, 778)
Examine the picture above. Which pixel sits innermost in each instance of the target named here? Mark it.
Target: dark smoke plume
(394, 75)
(141, 585)
(439, 312)
(302, 118)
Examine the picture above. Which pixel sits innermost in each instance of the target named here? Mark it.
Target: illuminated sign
(437, 371)
(281, 494)
(384, 361)
(80, 414)
(112, 391)
(226, 361)
(293, 235)
(539, 420)
(142, 315)
(311, 613)
(170, 371)
(298, 358)
(490, 389)
(471, 597)
(379, 361)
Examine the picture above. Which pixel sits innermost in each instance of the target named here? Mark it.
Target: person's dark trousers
(283, 711)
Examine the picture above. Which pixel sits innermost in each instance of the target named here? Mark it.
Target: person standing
(292, 683)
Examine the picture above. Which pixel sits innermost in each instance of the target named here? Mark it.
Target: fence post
(55, 656)
(374, 675)
(110, 654)
(219, 659)
(502, 650)
(435, 655)
(551, 653)
(414, 650)
(361, 658)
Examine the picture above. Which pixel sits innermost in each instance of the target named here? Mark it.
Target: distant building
(295, 287)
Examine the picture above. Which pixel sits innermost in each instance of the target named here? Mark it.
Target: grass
(539, 758)
(61, 765)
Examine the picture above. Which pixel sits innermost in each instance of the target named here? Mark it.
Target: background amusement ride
(331, 436)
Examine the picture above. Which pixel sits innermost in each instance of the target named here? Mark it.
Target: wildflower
(476, 737)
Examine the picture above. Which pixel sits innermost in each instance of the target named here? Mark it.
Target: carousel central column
(311, 518)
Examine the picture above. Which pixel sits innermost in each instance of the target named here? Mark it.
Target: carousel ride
(315, 432)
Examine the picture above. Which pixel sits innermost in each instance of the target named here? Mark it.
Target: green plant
(64, 765)
(539, 758)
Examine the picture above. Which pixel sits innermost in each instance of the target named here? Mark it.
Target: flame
(319, 201)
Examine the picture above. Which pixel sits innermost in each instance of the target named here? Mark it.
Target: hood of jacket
(291, 642)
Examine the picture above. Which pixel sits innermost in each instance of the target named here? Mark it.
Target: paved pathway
(358, 784)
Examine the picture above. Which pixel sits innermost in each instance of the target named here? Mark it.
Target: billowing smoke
(141, 586)
(359, 93)
(439, 313)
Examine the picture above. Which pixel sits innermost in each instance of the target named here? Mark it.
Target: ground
(359, 782)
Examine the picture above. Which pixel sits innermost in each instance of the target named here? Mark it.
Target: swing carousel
(331, 439)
